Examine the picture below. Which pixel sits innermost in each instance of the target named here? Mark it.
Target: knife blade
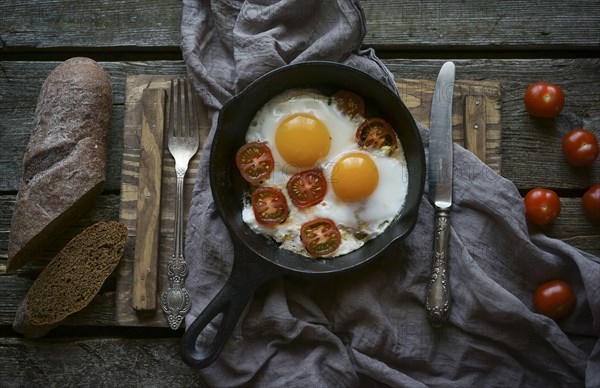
(438, 300)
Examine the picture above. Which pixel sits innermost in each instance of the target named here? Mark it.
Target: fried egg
(365, 189)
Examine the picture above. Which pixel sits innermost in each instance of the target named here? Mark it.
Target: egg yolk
(302, 140)
(354, 177)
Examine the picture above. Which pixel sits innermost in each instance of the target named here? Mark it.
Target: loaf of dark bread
(72, 279)
(64, 167)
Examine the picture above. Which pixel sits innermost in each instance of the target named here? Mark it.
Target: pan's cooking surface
(228, 186)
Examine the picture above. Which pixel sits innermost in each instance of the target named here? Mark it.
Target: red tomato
(544, 100)
(320, 237)
(349, 103)
(376, 133)
(269, 205)
(307, 188)
(255, 162)
(580, 147)
(554, 299)
(591, 202)
(542, 206)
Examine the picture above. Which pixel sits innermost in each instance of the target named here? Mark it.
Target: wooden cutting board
(476, 125)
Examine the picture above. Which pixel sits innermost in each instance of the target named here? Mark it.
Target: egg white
(264, 126)
(358, 221)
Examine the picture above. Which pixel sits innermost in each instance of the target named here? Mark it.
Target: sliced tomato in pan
(349, 103)
(320, 237)
(269, 205)
(376, 133)
(307, 188)
(255, 162)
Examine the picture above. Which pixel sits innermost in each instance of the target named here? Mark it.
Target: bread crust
(64, 168)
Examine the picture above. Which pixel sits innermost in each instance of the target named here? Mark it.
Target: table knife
(438, 300)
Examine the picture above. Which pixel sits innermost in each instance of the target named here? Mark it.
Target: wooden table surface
(556, 41)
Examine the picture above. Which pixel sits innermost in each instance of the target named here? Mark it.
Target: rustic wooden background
(551, 40)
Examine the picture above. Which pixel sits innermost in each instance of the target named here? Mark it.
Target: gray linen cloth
(369, 327)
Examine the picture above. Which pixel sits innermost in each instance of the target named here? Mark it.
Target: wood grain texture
(518, 24)
(571, 227)
(145, 262)
(552, 34)
(529, 145)
(125, 314)
(523, 138)
(100, 362)
(417, 95)
(88, 24)
(391, 25)
(474, 125)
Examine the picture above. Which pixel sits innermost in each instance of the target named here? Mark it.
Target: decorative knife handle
(438, 299)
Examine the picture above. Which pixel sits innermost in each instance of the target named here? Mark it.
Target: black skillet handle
(231, 303)
(248, 273)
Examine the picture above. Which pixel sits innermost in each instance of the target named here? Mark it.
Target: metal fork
(183, 140)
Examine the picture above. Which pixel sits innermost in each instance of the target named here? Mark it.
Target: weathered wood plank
(523, 138)
(101, 362)
(393, 25)
(122, 25)
(530, 146)
(481, 25)
(152, 134)
(416, 93)
(137, 86)
(20, 84)
(572, 226)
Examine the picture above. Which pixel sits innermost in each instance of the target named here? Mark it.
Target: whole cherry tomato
(580, 147)
(542, 206)
(544, 100)
(591, 202)
(554, 299)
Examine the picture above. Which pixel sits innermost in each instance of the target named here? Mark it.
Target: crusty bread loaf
(72, 279)
(64, 167)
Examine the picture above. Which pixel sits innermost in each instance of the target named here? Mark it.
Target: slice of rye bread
(72, 278)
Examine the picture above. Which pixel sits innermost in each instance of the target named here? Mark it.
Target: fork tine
(187, 114)
(171, 126)
(180, 107)
(193, 111)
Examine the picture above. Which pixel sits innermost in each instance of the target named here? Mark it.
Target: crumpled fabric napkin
(369, 327)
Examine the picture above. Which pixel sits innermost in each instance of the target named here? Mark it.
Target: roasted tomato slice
(255, 162)
(269, 205)
(320, 237)
(350, 103)
(307, 188)
(376, 133)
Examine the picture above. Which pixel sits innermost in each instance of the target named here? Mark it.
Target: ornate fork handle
(176, 300)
